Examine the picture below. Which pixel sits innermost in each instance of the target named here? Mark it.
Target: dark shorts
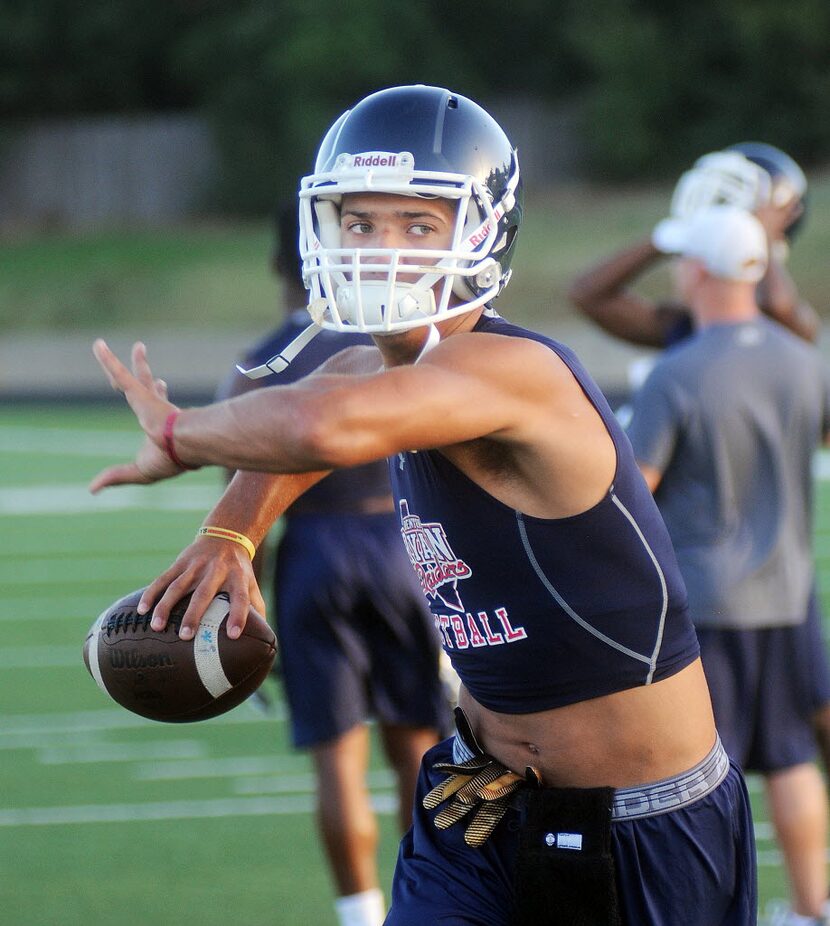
(765, 685)
(819, 664)
(356, 638)
(690, 866)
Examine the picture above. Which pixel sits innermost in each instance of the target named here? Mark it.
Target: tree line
(655, 83)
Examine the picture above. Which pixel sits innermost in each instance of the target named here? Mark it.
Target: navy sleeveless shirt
(537, 613)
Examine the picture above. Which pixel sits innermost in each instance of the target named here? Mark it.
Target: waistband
(675, 792)
(660, 796)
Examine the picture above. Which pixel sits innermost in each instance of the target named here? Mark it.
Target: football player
(585, 781)
(755, 177)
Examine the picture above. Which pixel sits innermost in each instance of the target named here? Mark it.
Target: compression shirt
(538, 613)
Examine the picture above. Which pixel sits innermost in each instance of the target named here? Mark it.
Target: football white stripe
(94, 666)
(206, 648)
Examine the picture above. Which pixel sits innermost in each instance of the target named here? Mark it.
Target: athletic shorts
(690, 865)
(763, 684)
(820, 668)
(356, 638)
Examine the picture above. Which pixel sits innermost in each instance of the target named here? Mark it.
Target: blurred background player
(724, 429)
(753, 176)
(764, 180)
(355, 636)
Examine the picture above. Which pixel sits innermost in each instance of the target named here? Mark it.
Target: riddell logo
(375, 159)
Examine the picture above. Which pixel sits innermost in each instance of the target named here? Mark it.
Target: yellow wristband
(222, 533)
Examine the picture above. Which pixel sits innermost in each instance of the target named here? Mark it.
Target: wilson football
(158, 675)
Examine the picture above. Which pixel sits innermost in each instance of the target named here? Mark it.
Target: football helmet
(414, 141)
(722, 178)
(788, 180)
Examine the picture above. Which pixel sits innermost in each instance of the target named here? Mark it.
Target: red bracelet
(167, 436)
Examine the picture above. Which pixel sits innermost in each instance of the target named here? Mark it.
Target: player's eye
(420, 230)
(359, 228)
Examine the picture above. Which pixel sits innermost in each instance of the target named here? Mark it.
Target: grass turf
(199, 824)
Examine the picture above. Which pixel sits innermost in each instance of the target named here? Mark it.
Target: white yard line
(228, 767)
(25, 731)
(158, 810)
(42, 573)
(173, 810)
(87, 753)
(76, 499)
(46, 607)
(380, 779)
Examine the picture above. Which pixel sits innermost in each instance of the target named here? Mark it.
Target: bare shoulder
(499, 357)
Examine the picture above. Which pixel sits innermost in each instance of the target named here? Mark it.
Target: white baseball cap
(730, 242)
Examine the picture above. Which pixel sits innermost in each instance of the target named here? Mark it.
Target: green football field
(106, 818)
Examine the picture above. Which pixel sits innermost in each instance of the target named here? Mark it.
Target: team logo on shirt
(436, 565)
(439, 570)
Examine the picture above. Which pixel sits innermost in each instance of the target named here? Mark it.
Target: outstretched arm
(513, 391)
(251, 504)
(334, 420)
(158, 457)
(602, 293)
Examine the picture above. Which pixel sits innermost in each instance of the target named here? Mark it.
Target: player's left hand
(205, 568)
(147, 397)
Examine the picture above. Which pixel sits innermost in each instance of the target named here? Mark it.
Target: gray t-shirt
(732, 417)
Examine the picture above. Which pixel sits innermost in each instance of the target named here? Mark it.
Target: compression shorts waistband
(675, 792)
(651, 799)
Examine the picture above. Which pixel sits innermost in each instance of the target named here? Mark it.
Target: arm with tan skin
(778, 296)
(512, 392)
(509, 390)
(251, 504)
(238, 384)
(602, 293)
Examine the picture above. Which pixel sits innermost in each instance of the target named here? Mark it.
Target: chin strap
(432, 340)
(280, 361)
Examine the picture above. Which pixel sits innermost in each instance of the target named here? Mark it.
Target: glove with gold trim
(481, 786)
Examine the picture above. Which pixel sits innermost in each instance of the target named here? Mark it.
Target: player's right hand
(150, 465)
(147, 396)
(208, 566)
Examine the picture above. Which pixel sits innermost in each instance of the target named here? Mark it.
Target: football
(160, 676)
